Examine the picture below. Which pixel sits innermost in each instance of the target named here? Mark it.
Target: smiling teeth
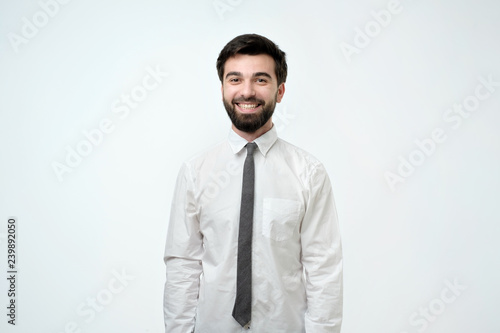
(248, 106)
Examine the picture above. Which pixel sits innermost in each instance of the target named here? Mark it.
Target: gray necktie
(243, 302)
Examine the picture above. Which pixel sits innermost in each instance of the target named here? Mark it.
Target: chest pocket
(281, 218)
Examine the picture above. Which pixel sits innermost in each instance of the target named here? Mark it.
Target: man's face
(250, 90)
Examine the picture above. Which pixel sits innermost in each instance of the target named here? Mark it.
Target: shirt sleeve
(183, 253)
(322, 257)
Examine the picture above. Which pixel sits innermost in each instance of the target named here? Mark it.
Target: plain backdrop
(392, 96)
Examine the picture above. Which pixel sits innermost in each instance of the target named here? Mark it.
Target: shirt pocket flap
(280, 218)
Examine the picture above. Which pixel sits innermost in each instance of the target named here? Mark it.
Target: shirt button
(247, 326)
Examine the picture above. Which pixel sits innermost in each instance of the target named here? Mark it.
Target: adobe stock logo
(89, 309)
(122, 107)
(30, 28)
(428, 146)
(223, 6)
(421, 319)
(373, 28)
(282, 118)
(220, 180)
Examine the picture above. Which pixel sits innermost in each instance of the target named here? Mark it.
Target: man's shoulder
(288, 149)
(310, 169)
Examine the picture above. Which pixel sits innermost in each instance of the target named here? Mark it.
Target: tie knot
(251, 147)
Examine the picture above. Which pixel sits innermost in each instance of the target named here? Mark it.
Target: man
(253, 241)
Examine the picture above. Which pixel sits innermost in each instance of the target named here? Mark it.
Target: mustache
(248, 100)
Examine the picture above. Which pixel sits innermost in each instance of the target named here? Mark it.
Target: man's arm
(322, 257)
(183, 252)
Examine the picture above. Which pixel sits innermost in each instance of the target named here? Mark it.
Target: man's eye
(234, 79)
(261, 80)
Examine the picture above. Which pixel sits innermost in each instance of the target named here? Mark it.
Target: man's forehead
(250, 64)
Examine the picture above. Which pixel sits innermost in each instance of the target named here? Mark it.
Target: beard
(250, 122)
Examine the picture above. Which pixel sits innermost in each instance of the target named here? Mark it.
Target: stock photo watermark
(422, 318)
(220, 180)
(282, 118)
(223, 6)
(30, 28)
(122, 107)
(12, 270)
(89, 309)
(453, 117)
(363, 36)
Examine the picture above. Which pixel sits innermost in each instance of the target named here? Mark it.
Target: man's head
(253, 71)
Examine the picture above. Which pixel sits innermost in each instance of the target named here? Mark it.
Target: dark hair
(253, 44)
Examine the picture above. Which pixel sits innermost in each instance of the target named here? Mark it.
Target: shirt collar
(264, 142)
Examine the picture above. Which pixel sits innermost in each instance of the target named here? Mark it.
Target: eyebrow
(254, 74)
(262, 74)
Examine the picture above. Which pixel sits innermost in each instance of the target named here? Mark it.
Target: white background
(360, 114)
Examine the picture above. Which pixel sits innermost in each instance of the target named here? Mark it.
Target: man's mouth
(248, 107)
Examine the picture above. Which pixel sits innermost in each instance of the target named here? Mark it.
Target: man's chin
(247, 122)
(247, 128)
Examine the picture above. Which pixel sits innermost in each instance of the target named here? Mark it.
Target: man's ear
(281, 92)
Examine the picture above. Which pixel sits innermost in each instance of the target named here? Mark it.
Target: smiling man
(250, 99)
(253, 243)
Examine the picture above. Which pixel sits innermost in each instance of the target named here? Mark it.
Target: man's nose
(247, 90)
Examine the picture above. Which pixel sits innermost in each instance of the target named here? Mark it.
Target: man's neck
(250, 137)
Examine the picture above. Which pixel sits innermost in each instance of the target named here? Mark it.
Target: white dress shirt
(296, 248)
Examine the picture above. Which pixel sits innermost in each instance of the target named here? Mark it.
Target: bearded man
(253, 241)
